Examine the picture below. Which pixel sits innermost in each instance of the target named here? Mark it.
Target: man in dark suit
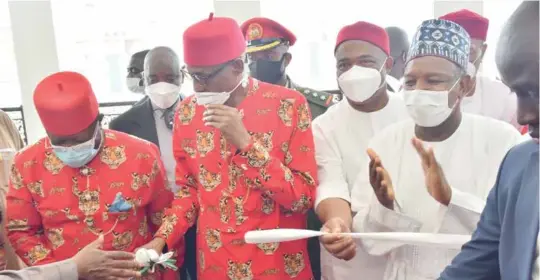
(152, 119)
(135, 68)
(504, 245)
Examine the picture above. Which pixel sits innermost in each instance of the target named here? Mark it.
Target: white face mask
(219, 98)
(428, 108)
(163, 94)
(133, 84)
(360, 83)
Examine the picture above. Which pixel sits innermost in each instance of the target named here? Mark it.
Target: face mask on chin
(163, 95)
(134, 85)
(209, 97)
(360, 83)
(78, 155)
(428, 108)
(267, 71)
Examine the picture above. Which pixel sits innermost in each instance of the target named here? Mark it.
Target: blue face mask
(78, 155)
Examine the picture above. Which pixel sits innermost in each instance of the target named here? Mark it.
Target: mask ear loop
(460, 97)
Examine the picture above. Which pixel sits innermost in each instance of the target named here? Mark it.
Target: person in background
(10, 142)
(81, 181)
(89, 263)
(399, 46)
(152, 119)
(488, 97)
(134, 80)
(362, 63)
(9, 135)
(244, 161)
(439, 189)
(505, 244)
(268, 57)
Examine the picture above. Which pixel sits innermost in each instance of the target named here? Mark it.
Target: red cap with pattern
(213, 41)
(263, 34)
(65, 103)
(475, 24)
(367, 32)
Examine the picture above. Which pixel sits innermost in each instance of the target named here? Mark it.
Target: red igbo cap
(475, 24)
(264, 33)
(213, 41)
(365, 31)
(65, 103)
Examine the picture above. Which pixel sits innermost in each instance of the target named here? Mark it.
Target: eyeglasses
(203, 78)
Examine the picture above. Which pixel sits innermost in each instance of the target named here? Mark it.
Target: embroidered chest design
(186, 112)
(208, 180)
(205, 142)
(52, 163)
(285, 111)
(113, 156)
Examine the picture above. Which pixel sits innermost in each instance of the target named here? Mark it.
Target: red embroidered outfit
(56, 207)
(270, 184)
(55, 210)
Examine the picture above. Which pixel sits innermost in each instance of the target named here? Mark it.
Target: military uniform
(318, 101)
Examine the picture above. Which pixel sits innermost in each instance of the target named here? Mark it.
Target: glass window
(97, 38)
(316, 29)
(9, 80)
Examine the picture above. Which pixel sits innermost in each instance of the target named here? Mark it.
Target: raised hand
(436, 183)
(380, 181)
(229, 121)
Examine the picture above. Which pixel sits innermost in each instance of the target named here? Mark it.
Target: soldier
(268, 57)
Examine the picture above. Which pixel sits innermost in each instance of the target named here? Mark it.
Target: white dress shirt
(165, 144)
(341, 138)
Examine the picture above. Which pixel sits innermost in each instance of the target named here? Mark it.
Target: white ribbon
(453, 241)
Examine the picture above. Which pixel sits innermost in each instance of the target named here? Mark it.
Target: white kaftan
(469, 158)
(341, 137)
(492, 99)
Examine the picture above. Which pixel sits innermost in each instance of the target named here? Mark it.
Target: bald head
(162, 65)
(399, 45)
(517, 60)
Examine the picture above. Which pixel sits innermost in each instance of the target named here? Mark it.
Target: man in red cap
(268, 58)
(363, 62)
(82, 181)
(488, 97)
(245, 161)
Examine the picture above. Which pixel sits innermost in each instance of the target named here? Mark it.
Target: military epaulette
(320, 98)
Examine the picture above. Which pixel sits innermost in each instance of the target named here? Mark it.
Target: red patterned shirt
(55, 210)
(268, 185)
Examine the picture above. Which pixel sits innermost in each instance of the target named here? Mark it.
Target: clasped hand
(229, 121)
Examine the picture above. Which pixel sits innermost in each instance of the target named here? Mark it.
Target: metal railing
(110, 110)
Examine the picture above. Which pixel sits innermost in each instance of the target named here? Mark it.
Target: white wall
(35, 54)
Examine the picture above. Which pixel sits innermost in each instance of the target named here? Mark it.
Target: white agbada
(341, 138)
(470, 159)
(492, 99)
